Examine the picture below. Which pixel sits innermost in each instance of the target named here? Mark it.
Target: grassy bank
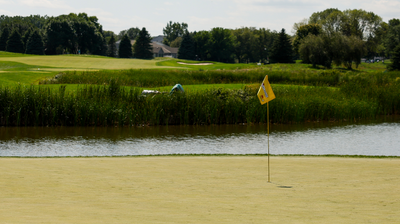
(217, 94)
(199, 190)
(158, 78)
(115, 105)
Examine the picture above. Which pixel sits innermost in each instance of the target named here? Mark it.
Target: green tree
(112, 48)
(187, 48)
(107, 35)
(244, 44)
(125, 47)
(221, 45)
(202, 43)
(314, 49)
(321, 17)
(304, 31)
(132, 33)
(392, 36)
(338, 48)
(176, 43)
(142, 47)
(173, 31)
(73, 33)
(60, 36)
(35, 44)
(26, 37)
(4, 38)
(264, 41)
(351, 49)
(352, 22)
(14, 43)
(395, 65)
(282, 51)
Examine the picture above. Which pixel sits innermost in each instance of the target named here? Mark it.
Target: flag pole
(269, 179)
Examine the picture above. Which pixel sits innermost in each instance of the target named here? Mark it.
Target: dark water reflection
(372, 138)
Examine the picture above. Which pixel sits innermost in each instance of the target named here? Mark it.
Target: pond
(370, 138)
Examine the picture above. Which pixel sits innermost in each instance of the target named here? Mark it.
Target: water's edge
(368, 139)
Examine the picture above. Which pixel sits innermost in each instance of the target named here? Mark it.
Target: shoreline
(210, 155)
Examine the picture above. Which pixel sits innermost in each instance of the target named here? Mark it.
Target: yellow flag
(265, 93)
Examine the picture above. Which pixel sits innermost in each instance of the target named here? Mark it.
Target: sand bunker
(182, 63)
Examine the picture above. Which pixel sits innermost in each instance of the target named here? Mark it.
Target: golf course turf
(193, 189)
(200, 189)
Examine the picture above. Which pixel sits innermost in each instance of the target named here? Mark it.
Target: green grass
(112, 105)
(151, 78)
(213, 66)
(97, 94)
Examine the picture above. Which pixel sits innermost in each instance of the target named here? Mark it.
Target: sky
(117, 15)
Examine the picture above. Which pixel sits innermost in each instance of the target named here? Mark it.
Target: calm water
(379, 138)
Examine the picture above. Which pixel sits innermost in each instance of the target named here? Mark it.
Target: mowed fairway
(61, 62)
(186, 189)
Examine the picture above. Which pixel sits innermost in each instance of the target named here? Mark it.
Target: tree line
(325, 38)
(73, 33)
(344, 37)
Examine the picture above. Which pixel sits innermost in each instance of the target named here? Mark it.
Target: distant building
(158, 39)
(159, 49)
(162, 50)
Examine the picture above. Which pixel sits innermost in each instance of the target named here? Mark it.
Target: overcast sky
(117, 15)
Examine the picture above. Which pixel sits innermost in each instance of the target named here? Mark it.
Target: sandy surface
(182, 63)
(199, 190)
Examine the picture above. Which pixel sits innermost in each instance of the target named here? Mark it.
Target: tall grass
(158, 78)
(106, 105)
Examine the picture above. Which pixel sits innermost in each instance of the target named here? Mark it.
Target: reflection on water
(381, 138)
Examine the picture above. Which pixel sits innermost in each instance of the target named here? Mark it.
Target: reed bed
(113, 105)
(157, 78)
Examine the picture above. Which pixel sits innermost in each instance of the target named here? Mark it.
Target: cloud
(285, 3)
(6, 2)
(5, 12)
(53, 4)
(384, 8)
(97, 12)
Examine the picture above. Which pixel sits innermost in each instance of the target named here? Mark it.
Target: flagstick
(269, 180)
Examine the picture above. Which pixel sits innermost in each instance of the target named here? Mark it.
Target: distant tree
(14, 43)
(173, 31)
(4, 38)
(314, 49)
(23, 23)
(26, 37)
(264, 42)
(202, 44)
(350, 50)
(142, 47)
(73, 33)
(107, 34)
(392, 37)
(244, 44)
(352, 22)
(282, 51)
(112, 48)
(132, 33)
(395, 65)
(326, 49)
(35, 44)
(60, 36)
(304, 31)
(187, 48)
(125, 47)
(176, 43)
(221, 45)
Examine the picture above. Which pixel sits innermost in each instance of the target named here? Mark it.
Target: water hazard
(379, 138)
